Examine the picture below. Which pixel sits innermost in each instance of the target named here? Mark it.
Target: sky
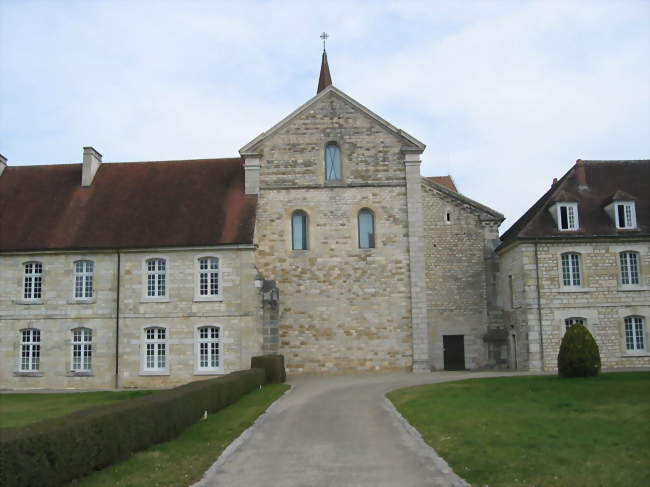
(506, 94)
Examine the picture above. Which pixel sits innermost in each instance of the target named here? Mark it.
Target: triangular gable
(411, 142)
(563, 195)
(462, 198)
(619, 196)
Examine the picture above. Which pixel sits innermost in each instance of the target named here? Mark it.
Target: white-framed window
(299, 230)
(30, 350)
(366, 222)
(155, 349)
(33, 280)
(156, 277)
(569, 322)
(208, 349)
(635, 334)
(208, 277)
(571, 272)
(629, 268)
(565, 215)
(625, 214)
(332, 162)
(84, 271)
(82, 350)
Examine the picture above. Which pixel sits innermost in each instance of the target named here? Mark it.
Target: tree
(579, 355)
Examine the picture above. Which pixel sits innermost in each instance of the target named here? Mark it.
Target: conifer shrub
(57, 450)
(273, 365)
(579, 355)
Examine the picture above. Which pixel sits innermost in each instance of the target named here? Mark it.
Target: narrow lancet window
(299, 230)
(366, 229)
(332, 162)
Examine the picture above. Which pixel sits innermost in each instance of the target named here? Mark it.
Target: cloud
(505, 94)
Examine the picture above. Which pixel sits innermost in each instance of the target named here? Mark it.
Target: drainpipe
(539, 309)
(117, 326)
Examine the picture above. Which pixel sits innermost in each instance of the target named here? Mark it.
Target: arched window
(156, 278)
(83, 279)
(299, 230)
(208, 276)
(634, 334)
(571, 275)
(366, 229)
(82, 349)
(332, 162)
(33, 280)
(155, 350)
(209, 348)
(629, 268)
(30, 350)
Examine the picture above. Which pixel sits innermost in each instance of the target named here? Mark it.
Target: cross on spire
(324, 36)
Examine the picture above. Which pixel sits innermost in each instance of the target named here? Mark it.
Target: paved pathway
(339, 432)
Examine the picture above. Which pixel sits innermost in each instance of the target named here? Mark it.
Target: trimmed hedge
(57, 450)
(274, 366)
(579, 355)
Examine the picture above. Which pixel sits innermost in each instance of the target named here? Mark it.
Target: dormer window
(565, 215)
(332, 162)
(625, 214)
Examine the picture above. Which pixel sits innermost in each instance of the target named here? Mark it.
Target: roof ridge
(68, 164)
(612, 161)
(463, 198)
(212, 159)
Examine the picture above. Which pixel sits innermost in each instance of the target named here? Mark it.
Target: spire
(324, 79)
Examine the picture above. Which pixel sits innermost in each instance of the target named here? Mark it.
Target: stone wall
(459, 254)
(342, 308)
(601, 299)
(516, 297)
(237, 312)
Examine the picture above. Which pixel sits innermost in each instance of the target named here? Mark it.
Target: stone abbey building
(322, 242)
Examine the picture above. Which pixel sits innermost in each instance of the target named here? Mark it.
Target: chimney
(252, 173)
(554, 182)
(91, 162)
(581, 173)
(3, 163)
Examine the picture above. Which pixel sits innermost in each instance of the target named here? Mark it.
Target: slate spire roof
(324, 79)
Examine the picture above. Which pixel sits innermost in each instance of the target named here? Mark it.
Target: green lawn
(22, 409)
(538, 431)
(183, 460)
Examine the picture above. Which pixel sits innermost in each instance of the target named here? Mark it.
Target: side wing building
(581, 254)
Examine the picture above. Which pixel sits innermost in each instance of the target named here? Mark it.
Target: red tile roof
(445, 181)
(593, 185)
(129, 205)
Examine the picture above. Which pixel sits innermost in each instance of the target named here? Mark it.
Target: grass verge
(21, 409)
(183, 460)
(537, 431)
